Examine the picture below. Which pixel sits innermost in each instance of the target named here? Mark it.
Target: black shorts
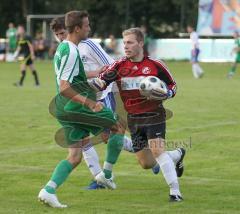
(26, 59)
(29, 61)
(146, 126)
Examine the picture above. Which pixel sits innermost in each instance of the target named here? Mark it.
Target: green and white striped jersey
(68, 66)
(67, 63)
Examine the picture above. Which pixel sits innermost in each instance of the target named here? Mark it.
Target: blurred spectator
(40, 46)
(11, 35)
(111, 45)
(147, 39)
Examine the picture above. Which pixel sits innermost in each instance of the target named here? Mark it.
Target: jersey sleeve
(165, 75)
(68, 62)
(98, 53)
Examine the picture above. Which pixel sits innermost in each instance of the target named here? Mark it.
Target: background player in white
(94, 59)
(196, 69)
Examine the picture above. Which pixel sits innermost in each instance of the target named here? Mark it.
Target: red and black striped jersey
(128, 74)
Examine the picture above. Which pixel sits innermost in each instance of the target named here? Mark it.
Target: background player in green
(25, 55)
(236, 50)
(11, 35)
(77, 111)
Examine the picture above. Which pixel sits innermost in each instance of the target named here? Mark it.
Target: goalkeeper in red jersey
(146, 117)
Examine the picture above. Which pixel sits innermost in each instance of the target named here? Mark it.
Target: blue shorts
(109, 102)
(194, 55)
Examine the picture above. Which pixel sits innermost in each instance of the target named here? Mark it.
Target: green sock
(60, 174)
(114, 147)
(108, 173)
(232, 70)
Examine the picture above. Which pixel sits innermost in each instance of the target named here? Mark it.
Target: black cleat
(179, 165)
(175, 198)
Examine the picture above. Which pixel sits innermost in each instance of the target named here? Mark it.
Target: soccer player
(77, 111)
(94, 58)
(196, 69)
(26, 56)
(146, 117)
(236, 50)
(11, 35)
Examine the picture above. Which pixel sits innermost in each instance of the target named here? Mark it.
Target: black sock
(22, 77)
(35, 77)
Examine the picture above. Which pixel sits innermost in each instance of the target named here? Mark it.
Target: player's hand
(160, 94)
(94, 106)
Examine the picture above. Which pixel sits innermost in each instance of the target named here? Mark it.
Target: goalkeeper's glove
(160, 94)
(97, 84)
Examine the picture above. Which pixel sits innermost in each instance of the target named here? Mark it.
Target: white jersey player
(94, 58)
(196, 69)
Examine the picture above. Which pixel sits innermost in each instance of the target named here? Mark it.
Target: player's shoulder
(89, 43)
(65, 47)
(158, 62)
(121, 60)
(118, 62)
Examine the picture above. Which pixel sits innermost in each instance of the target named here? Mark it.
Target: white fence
(212, 50)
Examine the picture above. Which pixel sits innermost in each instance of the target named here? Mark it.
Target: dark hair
(136, 31)
(74, 18)
(58, 23)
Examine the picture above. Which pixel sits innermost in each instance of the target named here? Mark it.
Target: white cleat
(100, 178)
(50, 199)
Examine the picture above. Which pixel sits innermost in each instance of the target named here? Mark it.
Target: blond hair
(136, 31)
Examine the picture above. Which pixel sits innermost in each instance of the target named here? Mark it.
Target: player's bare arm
(67, 91)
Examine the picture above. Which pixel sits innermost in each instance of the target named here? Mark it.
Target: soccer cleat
(175, 198)
(50, 199)
(100, 178)
(179, 165)
(156, 169)
(94, 185)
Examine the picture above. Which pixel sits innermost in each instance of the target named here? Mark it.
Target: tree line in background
(163, 18)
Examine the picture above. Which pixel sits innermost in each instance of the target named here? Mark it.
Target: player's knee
(156, 152)
(156, 146)
(74, 159)
(34, 72)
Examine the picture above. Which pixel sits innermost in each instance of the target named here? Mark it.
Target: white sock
(168, 170)
(195, 70)
(127, 144)
(199, 70)
(91, 158)
(175, 155)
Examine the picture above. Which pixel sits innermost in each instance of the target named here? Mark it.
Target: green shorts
(79, 124)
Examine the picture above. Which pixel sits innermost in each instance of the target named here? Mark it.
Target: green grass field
(205, 111)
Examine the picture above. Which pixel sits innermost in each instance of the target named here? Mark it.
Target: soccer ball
(150, 86)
